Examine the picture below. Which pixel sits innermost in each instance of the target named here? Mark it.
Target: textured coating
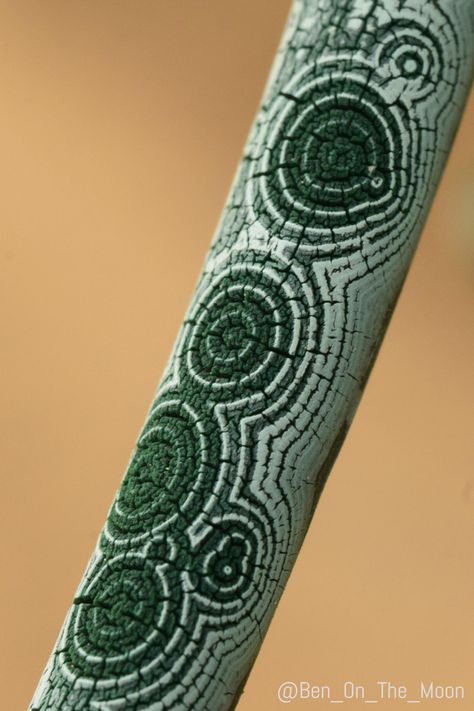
(316, 238)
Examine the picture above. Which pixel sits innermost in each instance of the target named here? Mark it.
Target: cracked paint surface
(315, 240)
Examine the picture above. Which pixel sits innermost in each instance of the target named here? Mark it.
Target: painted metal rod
(316, 238)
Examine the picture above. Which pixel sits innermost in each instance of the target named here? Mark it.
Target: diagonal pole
(338, 175)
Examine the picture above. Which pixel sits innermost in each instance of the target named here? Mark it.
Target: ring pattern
(170, 459)
(122, 612)
(246, 331)
(409, 57)
(228, 558)
(335, 162)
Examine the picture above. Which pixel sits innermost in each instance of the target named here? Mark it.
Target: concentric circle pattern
(168, 462)
(228, 560)
(244, 331)
(235, 341)
(336, 160)
(409, 56)
(271, 360)
(122, 615)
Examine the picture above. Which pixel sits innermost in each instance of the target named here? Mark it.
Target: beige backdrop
(121, 124)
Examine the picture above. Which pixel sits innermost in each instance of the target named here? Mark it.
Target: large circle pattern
(336, 160)
(117, 619)
(164, 473)
(246, 331)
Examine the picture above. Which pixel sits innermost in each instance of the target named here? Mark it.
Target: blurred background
(121, 126)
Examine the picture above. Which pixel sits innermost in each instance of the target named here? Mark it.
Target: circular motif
(409, 58)
(116, 618)
(334, 161)
(246, 331)
(164, 473)
(227, 562)
(343, 157)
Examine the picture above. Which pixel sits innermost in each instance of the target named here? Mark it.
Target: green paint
(338, 174)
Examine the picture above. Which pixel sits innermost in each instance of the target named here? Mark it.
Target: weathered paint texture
(313, 246)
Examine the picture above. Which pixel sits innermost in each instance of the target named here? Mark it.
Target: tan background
(121, 123)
